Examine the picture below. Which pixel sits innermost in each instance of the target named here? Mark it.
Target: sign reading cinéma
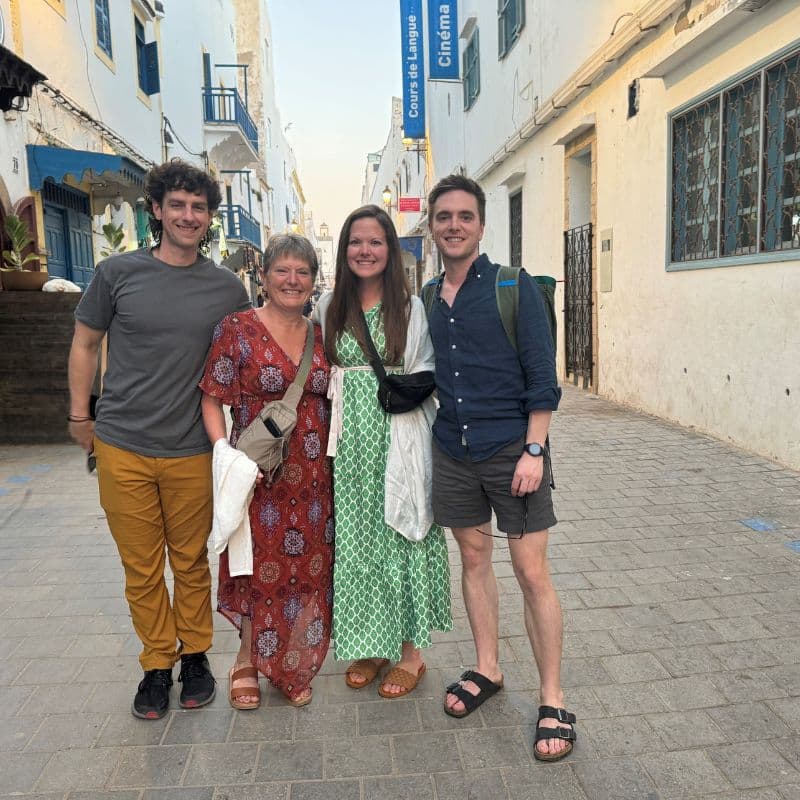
(411, 31)
(443, 40)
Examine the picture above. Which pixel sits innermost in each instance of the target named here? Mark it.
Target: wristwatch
(534, 449)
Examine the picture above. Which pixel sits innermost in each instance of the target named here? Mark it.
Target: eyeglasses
(91, 462)
(523, 530)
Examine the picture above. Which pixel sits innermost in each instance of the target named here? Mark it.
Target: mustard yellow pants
(153, 506)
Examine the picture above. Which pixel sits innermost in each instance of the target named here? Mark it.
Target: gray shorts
(466, 492)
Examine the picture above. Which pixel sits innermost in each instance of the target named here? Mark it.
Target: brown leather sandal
(368, 668)
(238, 673)
(402, 678)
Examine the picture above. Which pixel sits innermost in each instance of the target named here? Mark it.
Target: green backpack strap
(428, 295)
(506, 291)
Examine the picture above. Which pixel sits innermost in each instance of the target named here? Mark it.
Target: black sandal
(471, 701)
(542, 734)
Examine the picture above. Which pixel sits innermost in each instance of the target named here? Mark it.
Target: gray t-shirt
(159, 320)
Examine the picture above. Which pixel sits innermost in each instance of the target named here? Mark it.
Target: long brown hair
(344, 312)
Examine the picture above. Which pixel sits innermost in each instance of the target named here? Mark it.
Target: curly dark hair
(344, 312)
(458, 182)
(173, 176)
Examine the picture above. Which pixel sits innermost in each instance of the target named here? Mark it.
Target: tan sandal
(367, 668)
(402, 678)
(237, 673)
(301, 698)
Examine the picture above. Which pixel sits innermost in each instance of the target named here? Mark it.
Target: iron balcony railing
(240, 225)
(225, 106)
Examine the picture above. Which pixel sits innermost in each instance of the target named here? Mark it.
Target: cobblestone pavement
(678, 566)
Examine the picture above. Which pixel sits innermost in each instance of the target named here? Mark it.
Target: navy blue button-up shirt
(486, 389)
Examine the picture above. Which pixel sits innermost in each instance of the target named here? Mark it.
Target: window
(102, 23)
(736, 169)
(471, 70)
(510, 21)
(146, 60)
(515, 229)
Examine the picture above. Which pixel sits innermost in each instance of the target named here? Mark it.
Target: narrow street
(678, 564)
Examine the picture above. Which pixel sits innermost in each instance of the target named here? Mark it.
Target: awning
(111, 177)
(17, 79)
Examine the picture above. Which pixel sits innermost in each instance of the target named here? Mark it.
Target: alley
(677, 564)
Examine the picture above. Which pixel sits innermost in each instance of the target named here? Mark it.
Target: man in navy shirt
(490, 454)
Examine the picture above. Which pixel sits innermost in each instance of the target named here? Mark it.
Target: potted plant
(16, 276)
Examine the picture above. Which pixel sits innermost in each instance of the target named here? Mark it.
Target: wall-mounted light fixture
(387, 198)
(294, 226)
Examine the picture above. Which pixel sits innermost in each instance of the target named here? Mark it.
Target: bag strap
(428, 294)
(295, 390)
(506, 290)
(374, 359)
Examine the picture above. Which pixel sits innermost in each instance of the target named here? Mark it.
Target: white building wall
(711, 348)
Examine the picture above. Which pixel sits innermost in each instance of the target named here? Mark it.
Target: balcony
(230, 130)
(240, 226)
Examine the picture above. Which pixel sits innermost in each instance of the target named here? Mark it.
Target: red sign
(408, 204)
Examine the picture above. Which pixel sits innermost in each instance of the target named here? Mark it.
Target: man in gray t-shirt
(158, 308)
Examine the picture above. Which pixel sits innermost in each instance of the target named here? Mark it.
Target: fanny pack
(266, 439)
(397, 393)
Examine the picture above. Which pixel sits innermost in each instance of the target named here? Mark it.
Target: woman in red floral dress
(283, 610)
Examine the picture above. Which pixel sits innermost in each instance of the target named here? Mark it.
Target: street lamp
(323, 231)
(387, 198)
(294, 226)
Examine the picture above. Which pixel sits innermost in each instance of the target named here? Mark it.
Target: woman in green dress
(391, 576)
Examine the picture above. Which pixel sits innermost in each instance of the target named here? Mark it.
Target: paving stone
(259, 791)
(685, 693)
(177, 793)
(637, 640)
(495, 747)
(67, 732)
(589, 643)
(684, 773)
(79, 769)
(618, 778)
(470, 785)
(634, 668)
(584, 672)
(317, 721)
(551, 781)
(155, 766)
(683, 661)
(397, 716)
(752, 765)
(425, 752)
(325, 790)
(789, 710)
(740, 686)
(419, 787)
(365, 755)
(20, 771)
(741, 655)
(789, 748)
(748, 722)
(200, 725)
(622, 700)
(621, 736)
(434, 719)
(680, 730)
(101, 794)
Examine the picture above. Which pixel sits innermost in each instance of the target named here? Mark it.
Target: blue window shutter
(151, 68)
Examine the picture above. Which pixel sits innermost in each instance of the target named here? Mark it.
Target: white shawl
(407, 505)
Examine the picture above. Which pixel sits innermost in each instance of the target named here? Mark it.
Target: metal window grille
(736, 168)
(510, 22)
(103, 26)
(515, 229)
(472, 70)
(141, 64)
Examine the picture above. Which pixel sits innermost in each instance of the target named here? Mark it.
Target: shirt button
(453, 346)
(479, 274)
(460, 400)
(451, 319)
(456, 374)
(466, 426)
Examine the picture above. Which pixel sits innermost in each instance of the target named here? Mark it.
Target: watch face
(534, 449)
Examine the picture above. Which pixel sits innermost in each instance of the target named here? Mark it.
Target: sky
(337, 66)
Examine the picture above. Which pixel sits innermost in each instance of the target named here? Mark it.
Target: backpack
(506, 291)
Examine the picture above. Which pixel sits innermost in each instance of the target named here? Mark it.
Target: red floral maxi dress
(289, 595)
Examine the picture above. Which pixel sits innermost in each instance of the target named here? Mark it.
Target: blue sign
(443, 40)
(413, 245)
(411, 31)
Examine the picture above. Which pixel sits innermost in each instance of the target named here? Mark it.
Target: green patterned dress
(387, 589)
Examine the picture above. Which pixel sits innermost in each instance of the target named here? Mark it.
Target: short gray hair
(290, 244)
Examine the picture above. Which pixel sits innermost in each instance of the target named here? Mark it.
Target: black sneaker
(198, 682)
(152, 699)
